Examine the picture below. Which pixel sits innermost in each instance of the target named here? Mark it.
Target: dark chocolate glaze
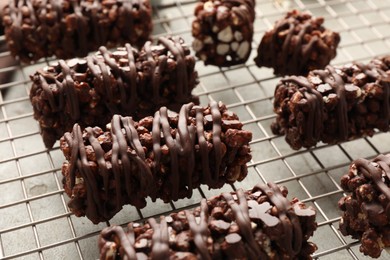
(216, 116)
(241, 214)
(292, 239)
(245, 9)
(98, 32)
(152, 70)
(69, 91)
(176, 48)
(127, 153)
(245, 209)
(374, 174)
(79, 160)
(126, 241)
(314, 123)
(87, 32)
(82, 29)
(330, 76)
(49, 93)
(300, 55)
(160, 239)
(200, 231)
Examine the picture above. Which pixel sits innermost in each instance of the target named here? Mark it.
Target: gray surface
(34, 220)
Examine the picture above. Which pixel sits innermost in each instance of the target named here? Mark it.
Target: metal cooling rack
(34, 220)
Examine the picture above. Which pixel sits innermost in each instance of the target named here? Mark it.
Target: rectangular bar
(35, 29)
(91, 90)
(165, 156)
(334, 105)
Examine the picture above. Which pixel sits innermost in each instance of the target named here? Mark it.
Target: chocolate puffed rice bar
(366, 208)
(91, 90)
(35, 29)
(334, 105)
(257, 224)
(165, 156)
(297, 44)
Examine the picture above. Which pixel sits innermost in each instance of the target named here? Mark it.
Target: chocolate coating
(333, 105)
(223, 31)
(297, 44)
(35, 29)
(366, 208)
(161, 157)
(260, 224)
(91, 90)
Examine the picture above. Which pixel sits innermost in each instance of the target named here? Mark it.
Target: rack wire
(35, 222)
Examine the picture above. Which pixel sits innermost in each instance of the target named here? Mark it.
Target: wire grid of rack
(34, 220)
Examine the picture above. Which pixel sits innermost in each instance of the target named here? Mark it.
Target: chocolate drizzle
(74, 28)
(126, 241)
(216, 117)
(292, 240)
(165, 240)
(82, 29)
(69, 91)
(300, 55)
(314, 122)
(374, 174)
(79, 160)
(245, 9)
(200, 231)
(176, 48)
(160, 239)
(330, 76)
(241, 214)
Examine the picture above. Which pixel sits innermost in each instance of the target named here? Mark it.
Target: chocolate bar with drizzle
(91, 90)
(165, 156)
(333, 105)
(297, 44)
(36, 29)
(257, 224)
(366, 207)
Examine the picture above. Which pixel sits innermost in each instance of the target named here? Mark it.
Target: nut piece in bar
(366, 208)
(223, 31)
(257, 224)
(91, 90)
(297, 44)
(165, 156)
(36, 29)
(333, 105)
